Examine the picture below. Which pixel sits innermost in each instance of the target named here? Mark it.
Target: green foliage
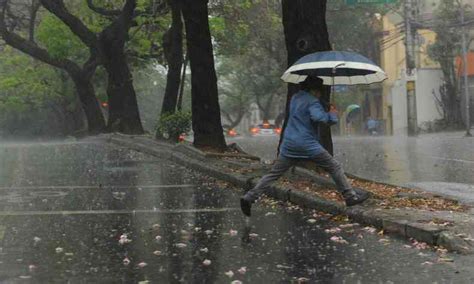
(58, 39)
(31, 93)
(249, 42)
(252, 53)
(444, 50)
(448, 42)
(146, 36)
(355, 28)
(172, 125)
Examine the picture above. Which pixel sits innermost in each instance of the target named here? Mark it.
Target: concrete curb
(194, 159)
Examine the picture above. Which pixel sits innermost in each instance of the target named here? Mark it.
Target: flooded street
(442, 163)
(93, 213)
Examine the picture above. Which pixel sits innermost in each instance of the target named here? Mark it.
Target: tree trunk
(124, 115)
(110, 48)
(207, 124)
(82, 82)
(183, 82)
(173, 49)
(90, 105)
(305, 28)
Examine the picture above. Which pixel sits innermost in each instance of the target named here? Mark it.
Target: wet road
(442, 163)
(92, 213)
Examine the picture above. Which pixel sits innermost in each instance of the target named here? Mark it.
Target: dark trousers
(282, 164)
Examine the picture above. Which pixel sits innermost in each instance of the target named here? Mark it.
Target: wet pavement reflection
(93, 213)
(441, 163)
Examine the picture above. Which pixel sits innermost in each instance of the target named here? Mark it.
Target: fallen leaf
(206, 262)
(370, 229)
(181, 245)
(333, 231)
(233, 233)
(229, 274)
(344, 226)
(32, 268)
(445, 259)
(242, 270)
(339, 240)
(142, 264)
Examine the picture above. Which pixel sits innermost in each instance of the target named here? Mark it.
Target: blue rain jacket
(301, 138)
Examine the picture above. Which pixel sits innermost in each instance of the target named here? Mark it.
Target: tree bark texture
(173, 49)
(206, 114)
(304, 23)
(90, 105)
(124, 115)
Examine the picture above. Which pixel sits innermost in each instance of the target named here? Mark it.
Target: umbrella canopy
(335, 68)
(352, 112)
(351, 108)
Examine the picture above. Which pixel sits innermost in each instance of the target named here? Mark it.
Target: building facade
(427, 75)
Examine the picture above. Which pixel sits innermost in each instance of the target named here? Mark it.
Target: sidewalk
(406, 212)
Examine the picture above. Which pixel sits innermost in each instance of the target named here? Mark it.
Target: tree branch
(31, 48)
(58, 8)
(103, 11)
(35, 5)
(128, 13)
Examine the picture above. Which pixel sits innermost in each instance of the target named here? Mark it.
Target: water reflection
(399, 160)
(65, 222)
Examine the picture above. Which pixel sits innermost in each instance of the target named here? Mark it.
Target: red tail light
(254, 130)
(278, 130)
(182, 137)
(232, 132)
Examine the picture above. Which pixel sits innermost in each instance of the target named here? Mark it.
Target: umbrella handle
(333, 79)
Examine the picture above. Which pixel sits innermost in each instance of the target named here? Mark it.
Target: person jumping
(301, 142)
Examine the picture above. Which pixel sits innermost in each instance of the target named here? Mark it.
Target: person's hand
(333, 109)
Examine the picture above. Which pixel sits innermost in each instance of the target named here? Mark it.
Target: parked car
(265, 129)
(230, 132)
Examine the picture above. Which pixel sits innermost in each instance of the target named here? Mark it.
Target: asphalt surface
(93, 213)
(441, 163)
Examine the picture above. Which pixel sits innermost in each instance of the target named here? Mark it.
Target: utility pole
(410, 68)
(465, 75)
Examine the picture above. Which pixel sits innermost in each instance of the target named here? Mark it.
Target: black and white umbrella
(335, 68)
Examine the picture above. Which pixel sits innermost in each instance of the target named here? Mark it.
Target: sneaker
(246, 206)
(357, 198)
